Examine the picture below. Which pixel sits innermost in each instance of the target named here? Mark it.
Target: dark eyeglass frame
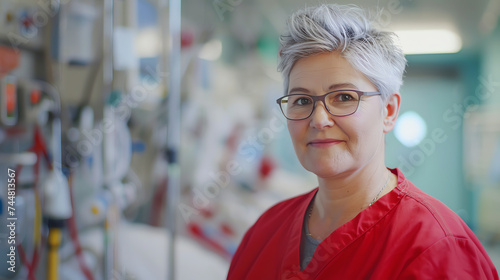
(322, 98)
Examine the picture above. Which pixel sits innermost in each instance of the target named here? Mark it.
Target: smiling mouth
(324, 142)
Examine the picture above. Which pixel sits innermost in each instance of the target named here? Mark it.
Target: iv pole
(107, 87)
(172, 50)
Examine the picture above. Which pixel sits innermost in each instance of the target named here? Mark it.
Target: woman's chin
(326, 170)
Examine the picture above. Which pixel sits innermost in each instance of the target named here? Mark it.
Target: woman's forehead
(325, 72)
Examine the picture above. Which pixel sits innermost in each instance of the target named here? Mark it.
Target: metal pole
(173, 129)
(107, 52)
(107, 86)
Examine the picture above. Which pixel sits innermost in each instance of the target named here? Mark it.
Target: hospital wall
(445, 90)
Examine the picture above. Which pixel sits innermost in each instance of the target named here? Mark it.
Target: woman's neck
(341, 198)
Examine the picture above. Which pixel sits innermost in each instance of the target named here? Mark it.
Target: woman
(364, 221)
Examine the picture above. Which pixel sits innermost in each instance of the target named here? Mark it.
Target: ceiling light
(429, 41)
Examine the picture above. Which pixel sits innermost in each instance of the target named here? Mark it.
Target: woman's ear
(391, 111)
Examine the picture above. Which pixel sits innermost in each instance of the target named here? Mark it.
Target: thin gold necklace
(373, 201)
(378, 194)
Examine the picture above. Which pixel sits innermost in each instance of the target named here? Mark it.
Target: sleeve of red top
(451, 258)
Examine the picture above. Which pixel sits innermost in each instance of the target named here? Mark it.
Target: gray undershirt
(307, 245)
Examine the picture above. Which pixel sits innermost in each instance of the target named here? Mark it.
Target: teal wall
(435, 165)
(440, 88)
(491, 66)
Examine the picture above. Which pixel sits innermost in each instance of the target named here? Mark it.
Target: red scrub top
(406, 234)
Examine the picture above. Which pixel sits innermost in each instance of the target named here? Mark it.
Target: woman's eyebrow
(299, 90)
(342, 86)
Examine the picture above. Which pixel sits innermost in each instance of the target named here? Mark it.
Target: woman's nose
(321, 118)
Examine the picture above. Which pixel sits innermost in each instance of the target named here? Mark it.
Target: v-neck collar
(340, 238)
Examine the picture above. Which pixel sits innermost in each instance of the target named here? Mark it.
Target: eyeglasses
(339, 103)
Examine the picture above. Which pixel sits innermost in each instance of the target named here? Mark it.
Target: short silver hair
(347, 29)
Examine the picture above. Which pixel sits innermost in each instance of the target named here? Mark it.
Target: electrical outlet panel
(20, 101)
(22, 22)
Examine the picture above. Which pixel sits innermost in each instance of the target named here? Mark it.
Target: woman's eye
(344, 97)
(303, 101)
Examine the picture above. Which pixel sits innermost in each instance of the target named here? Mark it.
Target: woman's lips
(320, 143)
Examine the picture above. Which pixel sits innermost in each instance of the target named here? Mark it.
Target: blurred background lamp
(429, 41)
(211, 50)
(148, 42)
(410, 129)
